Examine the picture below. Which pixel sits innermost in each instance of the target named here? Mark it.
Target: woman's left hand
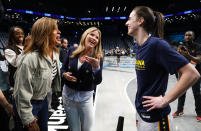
(154, 102)
(95, 62)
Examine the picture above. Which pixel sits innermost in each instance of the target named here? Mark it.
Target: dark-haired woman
(13, 50)
(155, 59)
(12, 54)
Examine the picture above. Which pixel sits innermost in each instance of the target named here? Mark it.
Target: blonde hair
(97, 49)
(40, 36)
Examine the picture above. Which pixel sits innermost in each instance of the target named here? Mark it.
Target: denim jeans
(80, 115)
(40, 110)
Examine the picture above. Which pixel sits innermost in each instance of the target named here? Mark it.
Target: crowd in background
(123, 52)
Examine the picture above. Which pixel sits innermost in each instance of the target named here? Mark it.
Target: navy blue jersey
(155, 59)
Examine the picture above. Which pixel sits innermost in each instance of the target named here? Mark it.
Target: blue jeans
(40, 110)
(80, 115)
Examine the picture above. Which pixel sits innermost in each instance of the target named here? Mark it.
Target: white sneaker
(51, 110)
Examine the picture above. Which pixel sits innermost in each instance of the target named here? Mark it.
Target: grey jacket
(33, 81)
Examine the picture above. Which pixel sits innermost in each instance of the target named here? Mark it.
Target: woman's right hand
(33, 126)
(27, 41)
(68, 76)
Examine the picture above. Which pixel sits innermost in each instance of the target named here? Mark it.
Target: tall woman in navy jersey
(82, 71)
(155, 60)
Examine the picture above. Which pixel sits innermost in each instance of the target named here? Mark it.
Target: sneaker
(51, 110)
(198, 118)
(177, 114)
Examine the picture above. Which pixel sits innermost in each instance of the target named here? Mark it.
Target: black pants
(197, 97)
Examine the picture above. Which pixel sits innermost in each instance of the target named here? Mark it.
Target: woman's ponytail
(158, 30)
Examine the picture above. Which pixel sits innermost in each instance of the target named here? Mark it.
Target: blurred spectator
(192, 51)
(64, 49)
(62, 56)
(118, 54)
(12, 54)
(13, 50)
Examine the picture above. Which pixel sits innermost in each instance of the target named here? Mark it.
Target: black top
(87, 79)
(62, 55)
(194, 49)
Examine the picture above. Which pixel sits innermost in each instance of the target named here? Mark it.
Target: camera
(183, 48)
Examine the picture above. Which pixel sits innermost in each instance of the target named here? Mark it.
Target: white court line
(94, 113)
(126, 94)
(128, 111)
(96, 97)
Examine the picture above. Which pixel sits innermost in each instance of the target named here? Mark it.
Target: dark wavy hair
(11, 39)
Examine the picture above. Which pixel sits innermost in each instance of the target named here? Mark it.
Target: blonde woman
(82, 71)
(38, 72)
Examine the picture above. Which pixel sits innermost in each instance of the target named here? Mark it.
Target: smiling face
(92, 39)
(18, 35)
(132, 23)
